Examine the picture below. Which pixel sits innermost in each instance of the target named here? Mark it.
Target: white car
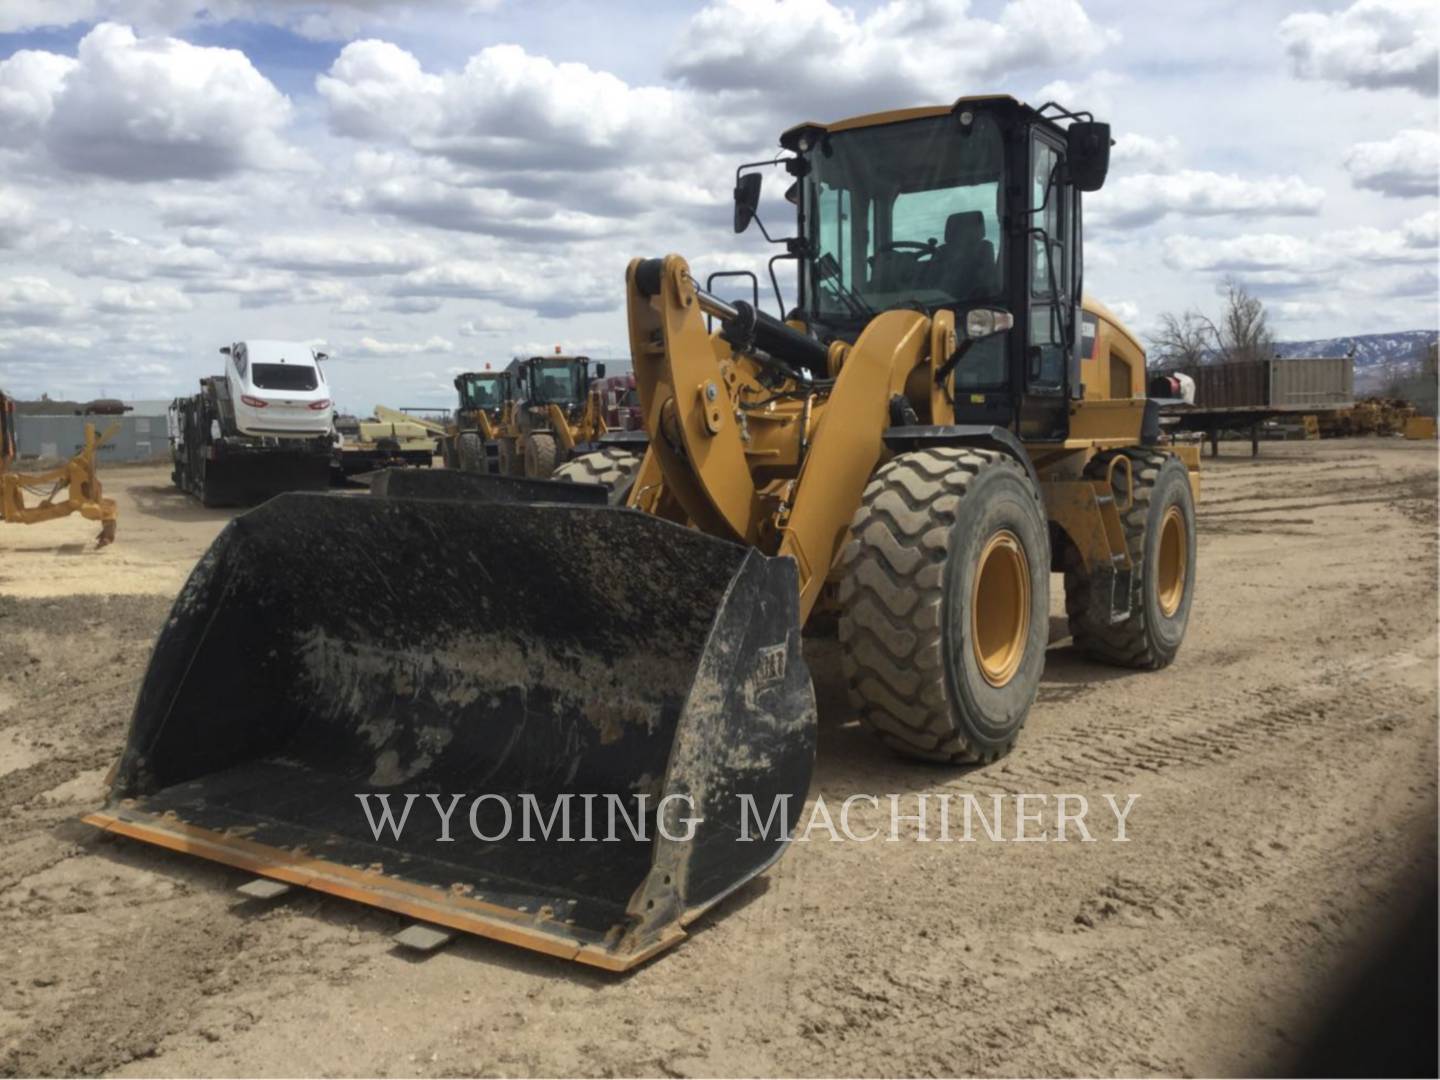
(278, 389)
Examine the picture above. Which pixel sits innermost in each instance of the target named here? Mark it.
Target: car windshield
(905, 214)
(483, 392)
(284, 376)
(558, 381)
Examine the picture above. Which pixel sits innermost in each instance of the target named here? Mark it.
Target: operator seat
(964, 266)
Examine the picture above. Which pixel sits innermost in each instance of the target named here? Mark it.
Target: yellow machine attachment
(938, 424)
(72, 488)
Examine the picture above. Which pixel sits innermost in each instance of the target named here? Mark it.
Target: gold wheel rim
(1000, 608)
(1171, 562)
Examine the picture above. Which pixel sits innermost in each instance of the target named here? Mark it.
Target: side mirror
(599, 371)
(1087, 150)
(322, 356)
(225, 350)
(747, 198)
(983, 322)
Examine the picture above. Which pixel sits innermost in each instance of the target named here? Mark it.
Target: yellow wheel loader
(486, 401)
(557, 414)
(936, 425)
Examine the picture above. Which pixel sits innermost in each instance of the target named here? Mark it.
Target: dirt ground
(1285, 767)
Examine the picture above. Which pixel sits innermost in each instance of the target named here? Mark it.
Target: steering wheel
(927, 248)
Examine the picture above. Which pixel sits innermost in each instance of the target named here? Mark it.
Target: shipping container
(1316, 381)
(1312, 380)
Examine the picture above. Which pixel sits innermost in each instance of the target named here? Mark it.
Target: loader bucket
(496, 660)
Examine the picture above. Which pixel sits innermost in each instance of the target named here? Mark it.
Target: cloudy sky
(428, 186)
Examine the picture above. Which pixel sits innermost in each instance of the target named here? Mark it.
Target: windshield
(905, 214)
(482, 392)
(558, 381)
(284, 376)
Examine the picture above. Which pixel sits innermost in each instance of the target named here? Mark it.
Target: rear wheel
(1160, 537)
(470, 452)
(611, 468)
(539, 455)
(944, 603)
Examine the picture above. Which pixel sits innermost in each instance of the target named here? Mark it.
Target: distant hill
(1380, 359)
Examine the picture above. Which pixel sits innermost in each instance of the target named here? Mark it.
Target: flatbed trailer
(216, 464)
(1210, 421)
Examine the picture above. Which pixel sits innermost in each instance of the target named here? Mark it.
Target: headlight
(982, 322)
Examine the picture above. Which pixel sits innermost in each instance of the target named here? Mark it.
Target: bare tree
(1194, 338)
(1181, 342)
(1243, 333)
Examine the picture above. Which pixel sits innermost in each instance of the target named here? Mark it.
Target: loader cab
(555, 380)
(486, 391)
(966, 207)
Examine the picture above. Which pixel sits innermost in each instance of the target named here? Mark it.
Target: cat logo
(769, 670)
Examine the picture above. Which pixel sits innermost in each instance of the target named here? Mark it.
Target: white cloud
(29, 81)
(1423, 232)
(376, 89)
(1372, 44)
(484, 325)
(1136, 153)
(368, 346)
(1143, 199)
(138, 109)
(31, 300)
(823, 58)
(17, 218)
(408, 194)
(505, 109)
(1407, 165)
(337, 255)
(20, 15)
(333, 20)
(1096, 92)
(549, 288)
(142, 300)
(1284, 261)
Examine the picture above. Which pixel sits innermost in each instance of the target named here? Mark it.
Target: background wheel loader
(486, 400)
(938, 424)
(557, 413)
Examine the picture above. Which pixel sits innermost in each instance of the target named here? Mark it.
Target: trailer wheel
(539, 455)
(944, 603)
(470, 451)
(1160, 536)
(611, 468)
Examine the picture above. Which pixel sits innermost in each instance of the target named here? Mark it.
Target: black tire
(611, 468)
(470, 452)
(908, 636)
(539, 455)
(507, 460)
(1151, 636)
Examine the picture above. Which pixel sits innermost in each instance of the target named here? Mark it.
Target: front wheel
(539, 455)
(470, 451)
(944, 603)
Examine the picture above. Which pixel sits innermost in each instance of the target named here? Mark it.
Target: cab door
(1050, 284)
